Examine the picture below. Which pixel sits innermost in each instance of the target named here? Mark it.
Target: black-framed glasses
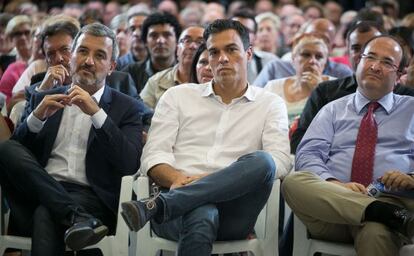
(386, 64)
(20, 33)
(188, 41)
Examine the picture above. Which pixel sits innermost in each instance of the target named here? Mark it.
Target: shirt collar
(148, 67)
(208, 91)
(98, 94)
(386, 102)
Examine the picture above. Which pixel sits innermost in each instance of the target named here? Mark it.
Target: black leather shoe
(85, 233)
(137, 213)
(405, 222)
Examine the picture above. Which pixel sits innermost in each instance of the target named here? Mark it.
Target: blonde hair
(269, 16)
(15, 22)
(309, 38)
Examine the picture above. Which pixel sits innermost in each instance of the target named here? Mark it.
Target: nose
(312, 60)
(223, 58)
(161, 39)
(375, 65)
(59, 58)
(89, 60)
(136, 32)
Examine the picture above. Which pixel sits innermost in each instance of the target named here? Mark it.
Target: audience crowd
(212, 101)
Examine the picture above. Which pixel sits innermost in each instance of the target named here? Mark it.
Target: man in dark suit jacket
(62, 171)
(120, 81)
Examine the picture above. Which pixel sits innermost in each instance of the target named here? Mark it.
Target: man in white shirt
(215, 147)
(62, 171)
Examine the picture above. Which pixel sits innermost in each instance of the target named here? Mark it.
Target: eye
(203, 62)
(319, 56)
(305, 55)
(212, 52)
(100, 56)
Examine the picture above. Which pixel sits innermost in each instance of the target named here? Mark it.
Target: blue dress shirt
(328, 146)
(279, 69)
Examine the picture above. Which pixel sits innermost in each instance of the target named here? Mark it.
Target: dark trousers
(41, 207)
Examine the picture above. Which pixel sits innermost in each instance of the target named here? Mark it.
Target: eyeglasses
(386, 64)
(20, 33)
(188, 41)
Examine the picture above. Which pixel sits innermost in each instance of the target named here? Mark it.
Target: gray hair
(98, 29)
(269, 16)
(118, 21)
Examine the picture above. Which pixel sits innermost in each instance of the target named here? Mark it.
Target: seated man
(218, 180)
(190, 39)
(66, 160)
(328, 91)
(348, 146)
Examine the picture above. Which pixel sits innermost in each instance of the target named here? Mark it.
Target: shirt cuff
(34, 124)
(99, 118)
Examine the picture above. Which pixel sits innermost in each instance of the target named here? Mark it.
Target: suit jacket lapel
(105, 104)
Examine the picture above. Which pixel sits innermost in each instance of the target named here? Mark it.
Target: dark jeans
(41, 207)
(221, 206)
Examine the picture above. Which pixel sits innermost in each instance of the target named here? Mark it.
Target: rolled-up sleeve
(275, 137)
(162, 134)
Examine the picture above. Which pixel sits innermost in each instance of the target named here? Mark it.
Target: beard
(89, 83)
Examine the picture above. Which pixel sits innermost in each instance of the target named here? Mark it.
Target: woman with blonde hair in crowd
(267, 36)
(309, 57)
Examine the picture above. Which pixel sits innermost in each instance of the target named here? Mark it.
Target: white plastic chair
(303, 245)
(146, 243)
(113, 245)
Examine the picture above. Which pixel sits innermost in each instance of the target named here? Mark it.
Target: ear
(249, 53)
(112, 68)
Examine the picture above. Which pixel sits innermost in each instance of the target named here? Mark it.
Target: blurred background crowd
(275, 34)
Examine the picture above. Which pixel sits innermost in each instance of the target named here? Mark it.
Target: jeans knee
(265, 165)
(202, 223)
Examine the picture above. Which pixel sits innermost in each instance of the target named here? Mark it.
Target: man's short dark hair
(363, 27)
(246, 14)
(4, 19)
(366, 14)
(218, 26)
(159, 18)
(98, 29)
(404, 59)
(59, 25)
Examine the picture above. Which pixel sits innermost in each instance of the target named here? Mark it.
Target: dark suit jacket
(113, 151)
(323, 94)
(120, 81)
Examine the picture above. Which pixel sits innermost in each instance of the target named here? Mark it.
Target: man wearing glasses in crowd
(373, 127)
(190, 39)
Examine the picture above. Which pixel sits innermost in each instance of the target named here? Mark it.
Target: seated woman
(267, 39)
(309, 56)
(200, 68)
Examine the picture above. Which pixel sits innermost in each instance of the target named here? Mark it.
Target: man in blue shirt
(326, 194)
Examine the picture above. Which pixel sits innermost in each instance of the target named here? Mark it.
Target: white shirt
(34, 68)
(194, 131)
(67, 159)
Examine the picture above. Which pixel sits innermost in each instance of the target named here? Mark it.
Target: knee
(376, 236)
(41, 215)
(202, 222)
(293, 180)
(264, 163)
(6, 149)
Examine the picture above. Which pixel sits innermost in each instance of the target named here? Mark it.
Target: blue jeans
(221, 206)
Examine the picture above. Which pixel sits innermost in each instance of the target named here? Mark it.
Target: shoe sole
(130, 214)
(80, 238)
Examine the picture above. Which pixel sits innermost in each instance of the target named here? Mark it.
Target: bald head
(324, 27)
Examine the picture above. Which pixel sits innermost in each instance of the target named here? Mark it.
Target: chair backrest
(116, 245)
(266, 228)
